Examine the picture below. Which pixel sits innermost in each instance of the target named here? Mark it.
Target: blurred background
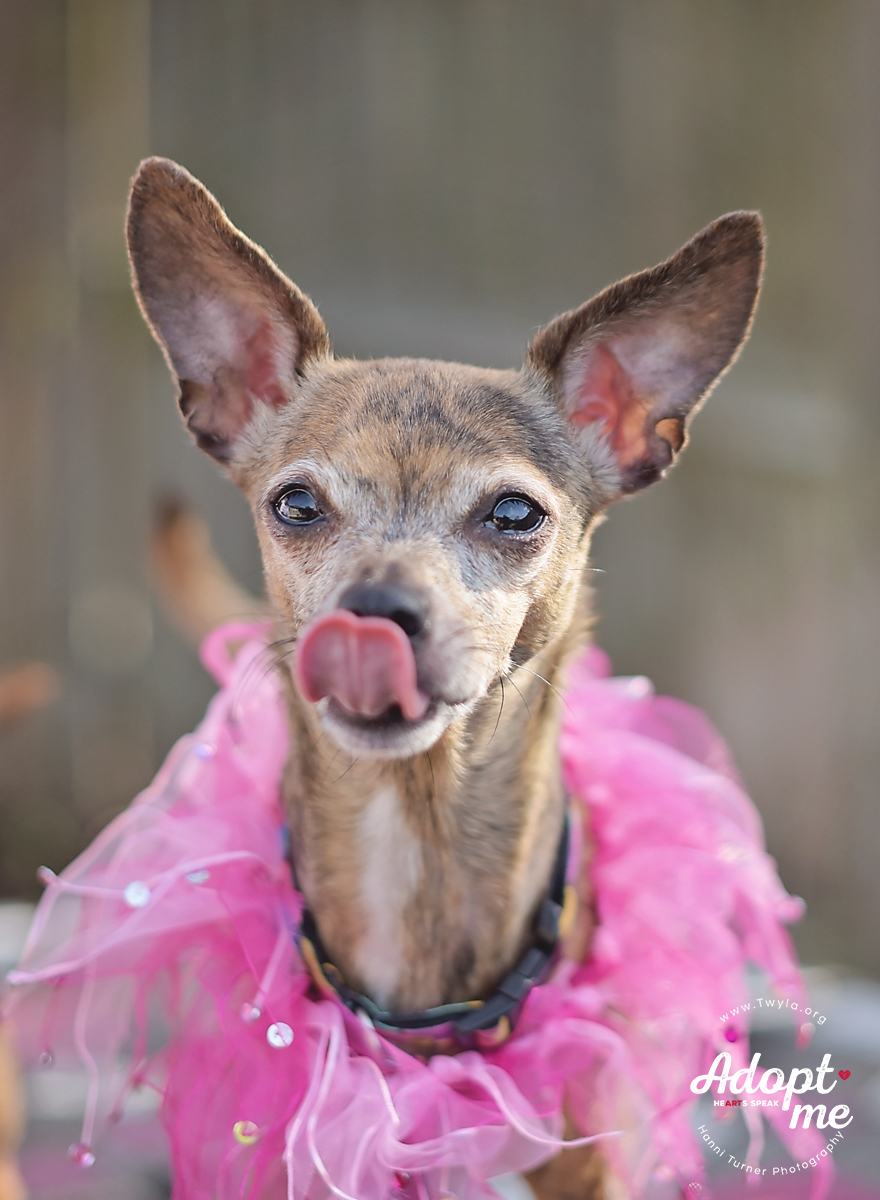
(442, 177)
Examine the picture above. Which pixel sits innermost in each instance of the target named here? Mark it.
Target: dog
(425, 530)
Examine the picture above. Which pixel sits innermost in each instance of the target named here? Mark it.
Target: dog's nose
(396, 602)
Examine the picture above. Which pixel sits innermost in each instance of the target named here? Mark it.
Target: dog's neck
(424, 874)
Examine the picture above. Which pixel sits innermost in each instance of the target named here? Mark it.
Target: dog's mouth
(389, 734)
(363, 673)
(391, 719)
(365, 664)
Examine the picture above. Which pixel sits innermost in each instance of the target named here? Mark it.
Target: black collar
(471, 1022)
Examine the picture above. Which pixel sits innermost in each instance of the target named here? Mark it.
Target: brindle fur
(424, 853)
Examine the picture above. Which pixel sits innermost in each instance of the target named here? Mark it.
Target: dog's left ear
(632, 365)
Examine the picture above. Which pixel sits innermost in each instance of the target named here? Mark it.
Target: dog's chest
(391, 868)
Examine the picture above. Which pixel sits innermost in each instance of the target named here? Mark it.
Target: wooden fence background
(443, 176)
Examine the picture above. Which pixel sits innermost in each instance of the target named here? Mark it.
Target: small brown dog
(425, 529)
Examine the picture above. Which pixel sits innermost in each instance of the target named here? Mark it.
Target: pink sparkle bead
(805, 1034)
(82, 1154)
(246, 1132)
(731, 1035)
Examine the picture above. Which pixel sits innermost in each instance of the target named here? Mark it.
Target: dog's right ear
(235, 331)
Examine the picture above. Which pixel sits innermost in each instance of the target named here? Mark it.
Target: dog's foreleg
(576, 1174)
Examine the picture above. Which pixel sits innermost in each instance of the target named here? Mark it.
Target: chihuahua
(425, 529)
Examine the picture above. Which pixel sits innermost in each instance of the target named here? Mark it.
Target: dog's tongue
(365, 663)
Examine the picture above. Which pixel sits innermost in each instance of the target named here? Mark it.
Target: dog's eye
(298, 507)
(515, 514)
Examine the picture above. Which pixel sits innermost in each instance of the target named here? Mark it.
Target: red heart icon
(843, 1074)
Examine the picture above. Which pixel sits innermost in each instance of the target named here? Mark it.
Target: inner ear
(630, 367)
(235, 331)
(262, 376)
(626, 394)
(604, 395)
(244, 369)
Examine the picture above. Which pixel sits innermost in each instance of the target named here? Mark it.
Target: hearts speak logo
(768, 1088)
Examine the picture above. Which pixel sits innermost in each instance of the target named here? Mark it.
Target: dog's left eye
(516, 514)
(297, 507)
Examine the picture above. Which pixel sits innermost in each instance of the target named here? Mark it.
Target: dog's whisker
(500, 710)
(258, 663)
(353, 763)
(275, 659)
(478, 649)
(433, 796)
(510, 679)
(336, 754)
(283, 647)
(463, 630)
(550, 685)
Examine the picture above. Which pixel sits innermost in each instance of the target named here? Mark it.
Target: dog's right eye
(297, 507)
(516, 514)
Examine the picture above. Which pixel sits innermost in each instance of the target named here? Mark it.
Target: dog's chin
(390, 735)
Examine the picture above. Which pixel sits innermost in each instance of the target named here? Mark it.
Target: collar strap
(471, 1022)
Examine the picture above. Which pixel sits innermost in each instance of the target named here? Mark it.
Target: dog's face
(445, 499)
(424, 526)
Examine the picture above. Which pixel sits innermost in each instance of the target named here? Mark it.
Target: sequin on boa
(164, 957)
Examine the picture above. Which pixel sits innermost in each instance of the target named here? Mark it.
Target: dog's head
(424, 525)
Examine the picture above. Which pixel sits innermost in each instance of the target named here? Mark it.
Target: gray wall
(443, 176)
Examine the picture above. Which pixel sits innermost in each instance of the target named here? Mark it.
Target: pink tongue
(365, 663)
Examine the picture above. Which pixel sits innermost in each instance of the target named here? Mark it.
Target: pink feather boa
(166, 949)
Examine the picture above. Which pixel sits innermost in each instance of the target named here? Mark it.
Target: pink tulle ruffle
(164, 956)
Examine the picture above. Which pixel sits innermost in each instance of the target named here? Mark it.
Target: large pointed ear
(630, 367)
(235, 331)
